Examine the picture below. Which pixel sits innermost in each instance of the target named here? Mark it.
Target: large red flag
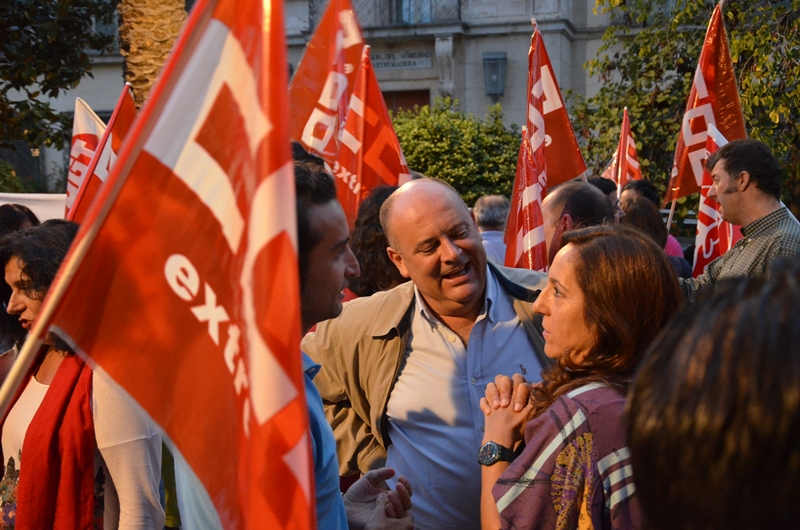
(624, 165)
(714, 236)
(714, 99)
(322, 84)
(369, 152)
(87, 130)
(524, 237)
(564, 159)
(182, 284)
(105, 155)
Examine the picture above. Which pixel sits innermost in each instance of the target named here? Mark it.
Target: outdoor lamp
(494, 73)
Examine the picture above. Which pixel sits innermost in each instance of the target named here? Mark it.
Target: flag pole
(669, 218)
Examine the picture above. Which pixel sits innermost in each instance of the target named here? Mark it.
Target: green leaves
(648, 65)
(476, 156)
(43, 52)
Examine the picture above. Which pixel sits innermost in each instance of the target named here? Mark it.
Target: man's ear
(566, 222)
(397, 259)
(743, 181)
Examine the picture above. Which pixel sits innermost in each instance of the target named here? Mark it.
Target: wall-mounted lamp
(494, 73)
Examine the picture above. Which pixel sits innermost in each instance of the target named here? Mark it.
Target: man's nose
(353, 268)
(450, 251)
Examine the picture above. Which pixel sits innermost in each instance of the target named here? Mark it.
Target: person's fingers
(377, 477)
(397, 504)
(404, 495)
(522, 391)
(505, 389)
(485, 408)
(492, 396)
(404, 481)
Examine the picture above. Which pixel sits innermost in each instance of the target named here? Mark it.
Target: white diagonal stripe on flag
(356, 105)
(297, 461)
(533, 238)
(516, 489)
(350, 141)
(219, 61)
(531, 194)
(265, 223)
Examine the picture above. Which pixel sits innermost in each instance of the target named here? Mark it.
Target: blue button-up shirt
(435, 422)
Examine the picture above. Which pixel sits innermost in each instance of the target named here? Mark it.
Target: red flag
(714, 99)
(564, 158)
(524, 237)
(369, 152)
(105, 155)
(714, 236)
(324, 79)
(87, 129)
(182, 284)
(624, 165)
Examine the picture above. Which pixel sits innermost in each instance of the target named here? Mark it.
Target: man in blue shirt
(326, 262)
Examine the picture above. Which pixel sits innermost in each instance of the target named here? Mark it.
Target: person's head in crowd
(599, 310)
(714, 411)
(434, 242)
(491, 212)
(324, 257)
(746, 181)
(569, 206)
(609, 189)
(642, 187)
(369, 243)
(299, 154)
(15, 217)
(644, 215)
(31, 258)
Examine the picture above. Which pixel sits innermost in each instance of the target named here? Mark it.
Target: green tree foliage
(647, 63)
(9, 182)
(477, 157)
(43, 52)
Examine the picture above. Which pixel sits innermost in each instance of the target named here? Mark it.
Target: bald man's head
(434, 241)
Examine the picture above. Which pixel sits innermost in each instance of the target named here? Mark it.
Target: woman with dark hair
(714, 411)
(644, 215)
(599, 316)
(15, 217)
(91, 458)
(368, 242)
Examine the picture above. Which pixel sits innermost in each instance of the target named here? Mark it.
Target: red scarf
(56, 489)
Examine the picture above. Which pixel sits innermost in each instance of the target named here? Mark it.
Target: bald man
(404, 370)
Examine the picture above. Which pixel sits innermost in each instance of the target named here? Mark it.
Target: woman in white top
(92, 457)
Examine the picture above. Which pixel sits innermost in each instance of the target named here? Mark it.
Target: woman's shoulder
(591, 399)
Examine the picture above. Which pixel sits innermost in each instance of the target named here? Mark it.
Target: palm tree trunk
(147, 32)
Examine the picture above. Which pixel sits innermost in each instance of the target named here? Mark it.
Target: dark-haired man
(326, 262)
(747, 187)
(569, 206)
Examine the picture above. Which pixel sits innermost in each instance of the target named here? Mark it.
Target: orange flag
(105, 155)
(624, 165)
(564, 158)
(321, 87)
(87, 130)
(714, 236)
(369, 152)
(182, 284)
(714, 99)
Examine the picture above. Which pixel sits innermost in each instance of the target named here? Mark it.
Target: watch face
(489, 453)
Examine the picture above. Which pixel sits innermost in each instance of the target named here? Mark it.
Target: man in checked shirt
(747, 187)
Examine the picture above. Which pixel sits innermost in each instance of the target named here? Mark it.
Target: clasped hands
(506, 408)
(371, 505)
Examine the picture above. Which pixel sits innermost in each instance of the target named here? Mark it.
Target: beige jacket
(361, 352)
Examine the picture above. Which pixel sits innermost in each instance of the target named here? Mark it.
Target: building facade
(473, 50)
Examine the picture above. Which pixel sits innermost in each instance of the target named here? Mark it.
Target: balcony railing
(390, 13)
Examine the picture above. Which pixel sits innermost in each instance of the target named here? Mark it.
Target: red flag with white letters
(564, 159)
(182, 284)
(323, 82)
(369, 151)
(713, 99)
(714, 236)
(105, 155)
(524, 237)
(87, 130)
(624, 165)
